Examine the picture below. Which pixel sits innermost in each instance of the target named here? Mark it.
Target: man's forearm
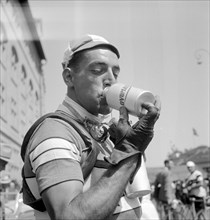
(100, 200)
(195, 185)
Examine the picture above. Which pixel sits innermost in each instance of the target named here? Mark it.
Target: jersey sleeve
(55, 154)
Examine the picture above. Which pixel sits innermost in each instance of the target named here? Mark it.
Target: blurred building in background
(22, 85)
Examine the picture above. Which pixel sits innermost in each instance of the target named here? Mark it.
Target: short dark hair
(167, 161)
(75, 61)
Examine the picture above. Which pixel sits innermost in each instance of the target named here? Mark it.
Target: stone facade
(22, 82)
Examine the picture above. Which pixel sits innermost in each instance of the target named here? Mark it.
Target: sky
(164, 48)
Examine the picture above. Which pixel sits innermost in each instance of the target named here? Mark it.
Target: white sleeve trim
(53, 149)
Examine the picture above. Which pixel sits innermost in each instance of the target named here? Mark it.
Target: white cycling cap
(84, 43)
(190, 164)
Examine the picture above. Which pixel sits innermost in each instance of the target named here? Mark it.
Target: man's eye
(96, 71)
(116, 72)
(116, 75)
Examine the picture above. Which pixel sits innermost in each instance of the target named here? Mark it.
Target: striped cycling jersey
(196, 177)
(54, 155)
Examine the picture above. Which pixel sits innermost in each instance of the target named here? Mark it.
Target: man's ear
(68, 76)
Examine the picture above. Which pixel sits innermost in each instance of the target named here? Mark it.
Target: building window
(37, 104)
(14, 66)
(13, 114)
(31, 86)
(3, 72)
(3, 101)
(3, 45)
(23, 75)
(23, 78)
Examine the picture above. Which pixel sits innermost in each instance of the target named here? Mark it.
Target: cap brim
(92, 45)
(5, 181)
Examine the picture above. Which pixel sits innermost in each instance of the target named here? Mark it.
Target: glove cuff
(118, 155)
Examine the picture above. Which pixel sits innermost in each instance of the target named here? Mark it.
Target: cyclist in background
(194, 184)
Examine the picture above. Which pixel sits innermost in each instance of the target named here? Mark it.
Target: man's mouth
(103, 101)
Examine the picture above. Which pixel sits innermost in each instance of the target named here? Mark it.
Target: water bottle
(132, 98)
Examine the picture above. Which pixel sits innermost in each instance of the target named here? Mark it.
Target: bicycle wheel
(188, 213)
(177, 215)
(201, 215)
(180, 212)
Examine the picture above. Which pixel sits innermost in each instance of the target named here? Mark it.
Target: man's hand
(133, 140)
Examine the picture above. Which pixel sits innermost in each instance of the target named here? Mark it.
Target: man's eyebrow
(98, 63)
(116, 67)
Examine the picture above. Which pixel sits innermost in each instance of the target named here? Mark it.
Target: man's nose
(109, 79)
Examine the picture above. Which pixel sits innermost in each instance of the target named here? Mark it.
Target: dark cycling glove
(132, 140)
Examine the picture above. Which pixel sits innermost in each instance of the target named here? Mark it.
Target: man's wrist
(118, 156)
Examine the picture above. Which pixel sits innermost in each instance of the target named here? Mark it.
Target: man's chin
(105, 110)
